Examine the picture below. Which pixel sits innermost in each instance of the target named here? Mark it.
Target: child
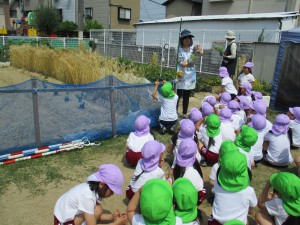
(259, 107)
(82, 203)
(283, 203)
(210, 99)
(195, 115)
(246, 91)
(153, 204)
(187, 166)
(246, 76)
(277, 144)
(227, 83)
(245, 106)
(227, 128)
(210, 139)
(185, 201)
(244, 141)
(234, 198)
(294, 125)
(256, 95)
(258, 122)
(237, 115)
(147, 168)
(168, 113)
(206, 109)
(137, 139)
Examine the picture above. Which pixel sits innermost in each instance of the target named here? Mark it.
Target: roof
(167, 2)
(253, 16)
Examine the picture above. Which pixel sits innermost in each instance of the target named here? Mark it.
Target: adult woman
(186, 65)
(229, 55)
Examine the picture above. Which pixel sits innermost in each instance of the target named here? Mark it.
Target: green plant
(67, 26)
(47, 19)
(262, 86)
(93, 45)
(4, 53)
(91, 24)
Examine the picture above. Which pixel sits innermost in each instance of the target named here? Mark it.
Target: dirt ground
(21, 207)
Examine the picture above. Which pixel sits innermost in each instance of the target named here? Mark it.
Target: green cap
(226, 146)
(246, 138)
(156, 203)
(166, 90)
(213, 123)
(288, 186)
(234, 222)
(233, 175)
(186, 197)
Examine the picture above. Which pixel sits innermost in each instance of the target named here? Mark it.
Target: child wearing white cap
(82, 203)
(294, 125)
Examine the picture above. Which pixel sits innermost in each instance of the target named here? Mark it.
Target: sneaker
(172, 131)
(203, 163)
(162, 131)
(184, 116)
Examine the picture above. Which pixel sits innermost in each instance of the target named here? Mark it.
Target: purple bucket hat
(211, 100)
(111, 175)
(195, 115)
(244, 103)
(225, 115)
(233, 106)
(259, 106)
(186, 153)
(248, 88)
(258, 122)
(225, 98)
(296, 112)
(151, 152)
(142, 126)
(187, 129)
(223, 72)
(281, 124)
(257, 95)
(207, 109)
(249, 65)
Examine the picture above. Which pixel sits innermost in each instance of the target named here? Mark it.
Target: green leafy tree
(91, 24)
(67, 26)
(47, 19)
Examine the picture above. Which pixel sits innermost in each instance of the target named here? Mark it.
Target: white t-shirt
(192, 174)
(74, 202)
(257, 147)
(268, 126)
(243, 78)
(279, 153)
(238, 120)
(136, 143)
(136, 185)
(168, 111)
(204, 138)
(229, 87)
(249, 155)
(275, 208)
(232, 205)
(213, 172)
(227, 131)
(138, 219)
(295, 133)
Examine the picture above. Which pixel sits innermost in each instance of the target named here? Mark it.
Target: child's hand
(116, 214)
(197, 49)
(122, 220)
(164, 81)
(156, 83)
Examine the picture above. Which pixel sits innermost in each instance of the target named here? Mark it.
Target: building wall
(100, 11)
(115, 23)
(68, 8)
(2, 19)
(179, 8)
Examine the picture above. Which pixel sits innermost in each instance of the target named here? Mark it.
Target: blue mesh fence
(38, 113)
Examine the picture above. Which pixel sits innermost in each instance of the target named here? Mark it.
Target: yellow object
(179, 73)
(32, 32)
(3, 31)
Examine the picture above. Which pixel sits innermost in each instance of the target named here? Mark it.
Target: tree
(67, 26)
(47, 19)
(91, 24)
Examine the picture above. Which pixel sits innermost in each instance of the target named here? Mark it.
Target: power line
(155, 2)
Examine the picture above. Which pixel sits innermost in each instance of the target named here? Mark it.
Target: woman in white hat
(229, 55)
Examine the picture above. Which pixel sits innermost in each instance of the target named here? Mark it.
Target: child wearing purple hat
(224, 99)
(195, 115)
(259, 107)
(206, 109)
(245, 106)
(246, 76)
(227, 83)
(276, 145)
(294, 125)
(187, 166)
(82, 203)
(137, 139)
(209, 99)
(227, 128)
(238, 115)
(246, 91)
(147, 168)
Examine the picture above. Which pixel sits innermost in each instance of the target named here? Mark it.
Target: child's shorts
(56, 222)
(209, 156)
(212, 221)
(129, 192)
(133, 157)
(201, 196)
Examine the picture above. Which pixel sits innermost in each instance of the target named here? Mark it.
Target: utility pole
(80, 18)
(6, 14)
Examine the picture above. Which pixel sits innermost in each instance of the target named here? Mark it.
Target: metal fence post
(201, 58)
(3, 41)
(104, 41)
(36, 113)
(122, 43)
(143, 47)
(169, 43)
(112, 105)
(64, 42)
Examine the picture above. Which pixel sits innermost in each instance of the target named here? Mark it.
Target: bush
(262, 86)
(91, 24)
(4, 53)
(47, 19)
(205, 83)
(67, 26)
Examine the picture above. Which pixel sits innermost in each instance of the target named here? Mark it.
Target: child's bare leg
(79, 219)
(263, 218)
(297, 162)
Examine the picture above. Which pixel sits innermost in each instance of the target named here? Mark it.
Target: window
(196, 9)
(124, 14)
(88, 13)
(13, 13)
(60, 13)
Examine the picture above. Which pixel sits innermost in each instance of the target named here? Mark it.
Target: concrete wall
(179, 8)
(100, 11)
(264, 59)
(68, 8)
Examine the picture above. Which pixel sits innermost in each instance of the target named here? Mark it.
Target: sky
(152, 11)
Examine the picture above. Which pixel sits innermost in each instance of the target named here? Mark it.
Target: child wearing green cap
(168, 113)
(282, 207)
(153, 205)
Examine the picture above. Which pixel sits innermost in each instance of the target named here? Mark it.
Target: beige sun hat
(230, 35)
